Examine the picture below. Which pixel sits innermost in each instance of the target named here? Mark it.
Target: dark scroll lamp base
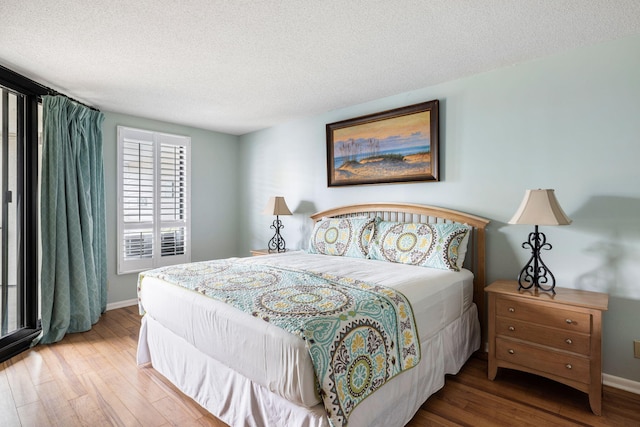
(535, 273)
(277, 244)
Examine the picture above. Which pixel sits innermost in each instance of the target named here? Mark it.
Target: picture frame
(399, 145)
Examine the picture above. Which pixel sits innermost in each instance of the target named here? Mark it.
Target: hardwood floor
(520, 399)
(91, 379)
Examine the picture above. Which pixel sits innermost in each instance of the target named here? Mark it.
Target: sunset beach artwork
(398, 145)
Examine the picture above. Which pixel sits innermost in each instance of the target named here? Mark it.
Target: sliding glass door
(20, 121)
(10, 293)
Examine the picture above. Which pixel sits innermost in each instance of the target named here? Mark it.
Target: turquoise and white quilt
(359, 335)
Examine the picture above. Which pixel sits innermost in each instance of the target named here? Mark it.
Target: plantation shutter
(153, 199)
(173, 199)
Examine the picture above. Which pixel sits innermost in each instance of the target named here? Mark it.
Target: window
(153, 199)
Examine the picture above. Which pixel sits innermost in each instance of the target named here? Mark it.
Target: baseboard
(621, 383)
(120, 304)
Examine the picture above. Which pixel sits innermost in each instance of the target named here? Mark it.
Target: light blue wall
(569, 122)
(214, 201)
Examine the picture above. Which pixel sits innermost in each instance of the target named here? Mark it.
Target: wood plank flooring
(520, 399)
(91, 379)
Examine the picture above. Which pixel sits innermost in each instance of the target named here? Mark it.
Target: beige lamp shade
(277, 206)
(540, 207)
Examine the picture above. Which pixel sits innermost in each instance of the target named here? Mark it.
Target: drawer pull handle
(569, 321)
(568, 341)
(512, 310)
(568, 366)
(511, 328)
(511, 351)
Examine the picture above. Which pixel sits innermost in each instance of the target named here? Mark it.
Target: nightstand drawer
(556, 338)
(543, 315)
(554, 362)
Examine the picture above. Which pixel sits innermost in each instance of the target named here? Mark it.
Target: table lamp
(539, 207)
(277, 206)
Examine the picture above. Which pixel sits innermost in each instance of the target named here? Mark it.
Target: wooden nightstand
(257, 252)
(556, 336)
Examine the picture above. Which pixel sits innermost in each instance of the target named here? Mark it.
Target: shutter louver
(172, 182)
(138, 244)
(172, 198)
(172, 242)
(137, 185)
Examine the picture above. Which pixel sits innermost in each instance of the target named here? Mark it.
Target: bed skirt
(239, 402)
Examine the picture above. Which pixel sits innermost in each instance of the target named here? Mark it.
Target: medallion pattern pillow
(342, 236)
(426, 245)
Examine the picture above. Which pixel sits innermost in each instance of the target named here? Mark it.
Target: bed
(251, 372)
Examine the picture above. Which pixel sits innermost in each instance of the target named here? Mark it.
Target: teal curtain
(73, 274)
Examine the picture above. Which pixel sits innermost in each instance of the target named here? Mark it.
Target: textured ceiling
(237, 66)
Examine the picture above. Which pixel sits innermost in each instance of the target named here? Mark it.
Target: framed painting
(399, 145)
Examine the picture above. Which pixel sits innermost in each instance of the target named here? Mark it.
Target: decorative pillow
(427, 245)
(342, 236)
(462, 249)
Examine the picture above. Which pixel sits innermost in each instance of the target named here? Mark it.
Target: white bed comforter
(272, 357)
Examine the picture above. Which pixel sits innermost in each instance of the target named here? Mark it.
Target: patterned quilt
(359, 335)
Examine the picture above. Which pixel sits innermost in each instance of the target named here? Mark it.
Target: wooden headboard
(407, 212)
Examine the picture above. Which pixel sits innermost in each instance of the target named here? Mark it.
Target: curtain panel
(73, 228)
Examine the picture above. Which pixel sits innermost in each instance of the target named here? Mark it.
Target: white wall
(214, 202)
(569, 122)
